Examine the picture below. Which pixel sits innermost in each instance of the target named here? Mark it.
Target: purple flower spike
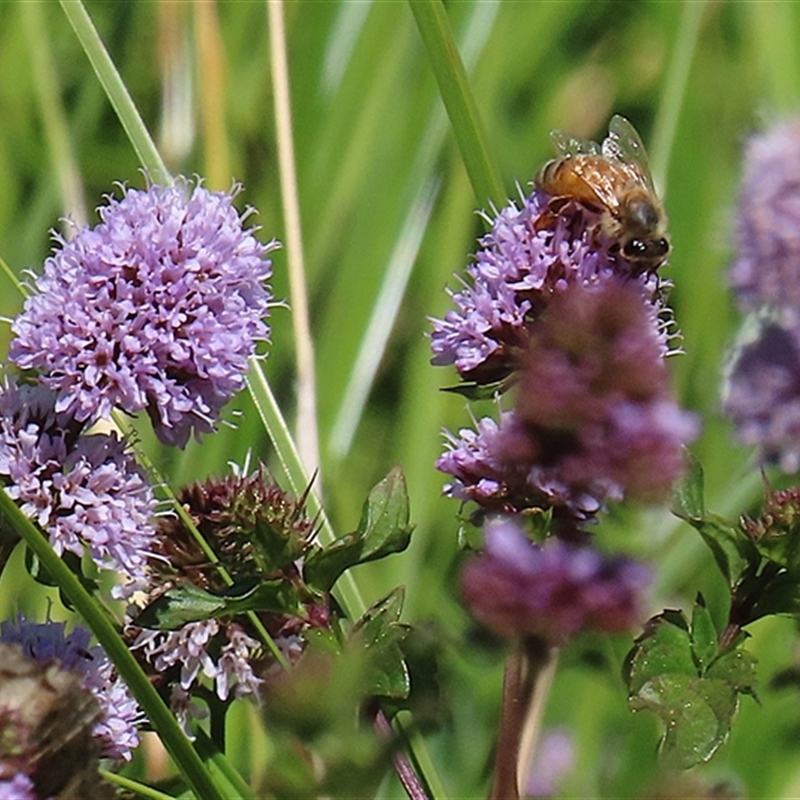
(157, 308)
(517, 588)
(44, 642)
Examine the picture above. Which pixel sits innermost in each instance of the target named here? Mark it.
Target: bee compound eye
(645, 248)
(635, 248)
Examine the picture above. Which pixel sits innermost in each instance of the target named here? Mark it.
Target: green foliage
(384, 529)
(680, 672)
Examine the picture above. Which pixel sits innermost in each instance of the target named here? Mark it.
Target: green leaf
(704, 635)
(730, 546)
(697, 715)
(189, 603)
(664, 648)
(738, 668)
(732, 550)
(382, 632)
(677, 672)
(384, 529)
(687, 500)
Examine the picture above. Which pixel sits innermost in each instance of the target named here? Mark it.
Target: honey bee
(613, 179)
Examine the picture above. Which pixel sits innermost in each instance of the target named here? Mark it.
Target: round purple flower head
(552, 591)
(117, 727)
(85, 491)
(526, 259)
(156, 308)
(766, 269)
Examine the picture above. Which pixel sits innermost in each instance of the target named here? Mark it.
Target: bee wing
(567, 145)
(624, 144)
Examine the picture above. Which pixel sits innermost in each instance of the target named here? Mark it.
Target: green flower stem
(134, 787)
(278, 431)
(51, 108)
(217, 761)
(100, 623)
(116, 91)
(437, 36)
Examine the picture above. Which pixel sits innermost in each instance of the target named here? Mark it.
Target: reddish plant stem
(523, 668)
(402, 767)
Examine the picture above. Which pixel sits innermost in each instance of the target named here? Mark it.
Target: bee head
(649, 252)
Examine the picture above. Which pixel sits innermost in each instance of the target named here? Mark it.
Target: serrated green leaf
(664, 648)
(697, 715)
(738, 668)
(687, 500)
(704, 635)
(732, 550)
(382, 632)
(188, 603)
(385, 517)
(383, 529)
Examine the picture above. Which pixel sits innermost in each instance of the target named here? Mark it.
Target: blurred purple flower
(517, 588)
(593, 419)
(524, 262)
(85, 491)
(18, 787)
(45, 642)
(553, 759)
(767, 233)
(156, 308)
(762, 390)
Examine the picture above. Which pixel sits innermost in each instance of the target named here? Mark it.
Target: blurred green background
(388, 218)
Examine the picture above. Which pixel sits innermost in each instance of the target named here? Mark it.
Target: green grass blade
(116, 91)
(451, 77)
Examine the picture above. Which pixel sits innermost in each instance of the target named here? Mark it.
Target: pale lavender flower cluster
(521, 265)
(762, 387)
(85, 491)
(46, 642)
(553, 591)
(188, 650)
(157, 308)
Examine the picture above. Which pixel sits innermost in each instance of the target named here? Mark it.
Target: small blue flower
(157, 308)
